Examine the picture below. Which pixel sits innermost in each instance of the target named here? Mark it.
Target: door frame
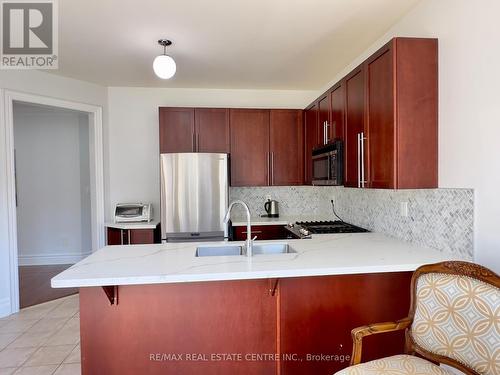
(96, 174)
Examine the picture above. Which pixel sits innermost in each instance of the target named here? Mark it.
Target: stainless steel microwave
(133, 212)
(328, 164)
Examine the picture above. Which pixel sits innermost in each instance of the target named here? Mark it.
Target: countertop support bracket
(273, 285)
(112, 293)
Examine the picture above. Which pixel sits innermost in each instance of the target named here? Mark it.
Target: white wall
(469, 104)
(45, 84)
(53, 185)
(133, 131)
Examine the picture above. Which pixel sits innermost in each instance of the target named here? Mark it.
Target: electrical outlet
(403, 209)
(268, 197)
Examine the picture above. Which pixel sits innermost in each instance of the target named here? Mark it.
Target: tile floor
(42, 340)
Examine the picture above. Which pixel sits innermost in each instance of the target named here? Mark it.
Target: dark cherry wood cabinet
(266, 147)
(302, 324)
(317, 314)
(354, 126)
(199, 325)
(176, 129)
(262, 232)
(389, 109)
(194, 129)
(117, 236)
(402, 115)
(286, 140)
(324, 120)
(212, 130)
(337, 109)
(311, 139)
(250, 158)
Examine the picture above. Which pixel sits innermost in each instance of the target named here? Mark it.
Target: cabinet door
(286, 146)
(337, 105)
(250, 156)
(115, 236)
(317, 315)
(212, 129)
(324, 120)
(311, 135)
(141, 236)
(380, 130)
(354, 125)
(214, 323)
(263, 232)
(176, 129)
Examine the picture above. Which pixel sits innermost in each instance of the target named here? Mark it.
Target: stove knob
(291, 225)
(305, 232)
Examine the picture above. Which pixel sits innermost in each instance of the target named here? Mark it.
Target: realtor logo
(29, 34)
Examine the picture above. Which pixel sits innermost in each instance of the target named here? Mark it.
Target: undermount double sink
(231, 250)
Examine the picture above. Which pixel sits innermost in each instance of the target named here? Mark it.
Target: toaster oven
(132, 212)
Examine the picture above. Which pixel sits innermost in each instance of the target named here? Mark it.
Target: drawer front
(263, 232)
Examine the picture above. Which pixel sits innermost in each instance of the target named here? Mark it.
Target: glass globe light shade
(164, 66)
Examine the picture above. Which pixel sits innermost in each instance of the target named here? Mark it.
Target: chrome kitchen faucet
(249, 241)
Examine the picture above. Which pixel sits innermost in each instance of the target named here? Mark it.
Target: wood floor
(34, 284)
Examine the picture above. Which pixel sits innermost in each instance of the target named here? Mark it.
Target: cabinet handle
(272, 168)
(193, 142)
(253, 232)
(269, 168)
(197, 142)
(362, 138)
(326, 132)
(359, 160)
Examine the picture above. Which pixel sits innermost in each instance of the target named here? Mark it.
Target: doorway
(68, 245)
(52, 167)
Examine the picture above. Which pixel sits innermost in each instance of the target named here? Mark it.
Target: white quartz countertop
(133, 225)
(325, 254)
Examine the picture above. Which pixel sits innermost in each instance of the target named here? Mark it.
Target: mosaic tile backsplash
(439, 218)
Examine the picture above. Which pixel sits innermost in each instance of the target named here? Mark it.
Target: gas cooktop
(318, 227)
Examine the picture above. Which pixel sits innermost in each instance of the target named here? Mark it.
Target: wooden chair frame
(452, 267)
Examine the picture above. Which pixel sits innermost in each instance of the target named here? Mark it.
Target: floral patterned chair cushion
(395, 365)
(459, 317)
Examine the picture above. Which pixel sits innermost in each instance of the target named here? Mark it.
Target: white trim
(4, 307)
(97, 179)
(54, 258)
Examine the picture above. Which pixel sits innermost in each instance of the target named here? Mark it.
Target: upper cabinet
(266, 147)
(401, 126)
(311, 138)
(177, 130)
(250, 157)
(286, 140)
(389, 109)
(194, 130)
(212, 129)
(354, 127)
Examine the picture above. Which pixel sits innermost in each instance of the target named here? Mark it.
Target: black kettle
(271, 207)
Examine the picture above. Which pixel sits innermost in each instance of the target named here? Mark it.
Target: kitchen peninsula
(181, 313)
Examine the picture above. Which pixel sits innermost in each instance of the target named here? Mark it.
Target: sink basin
(211, 251)
(275, 248)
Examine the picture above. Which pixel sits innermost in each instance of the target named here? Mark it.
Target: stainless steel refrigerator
(194, 196)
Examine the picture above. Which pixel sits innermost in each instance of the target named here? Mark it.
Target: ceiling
(251, 44)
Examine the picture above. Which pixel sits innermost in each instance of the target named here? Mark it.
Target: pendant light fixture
(163, 65)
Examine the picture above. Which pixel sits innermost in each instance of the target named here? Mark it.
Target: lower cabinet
(262, 232)
(118, 236)
(282, 326)
(317, 314)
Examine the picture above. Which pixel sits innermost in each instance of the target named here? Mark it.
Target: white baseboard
(40, 260)
(5, 307)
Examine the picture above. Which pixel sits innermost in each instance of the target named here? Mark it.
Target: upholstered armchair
(454, 319)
